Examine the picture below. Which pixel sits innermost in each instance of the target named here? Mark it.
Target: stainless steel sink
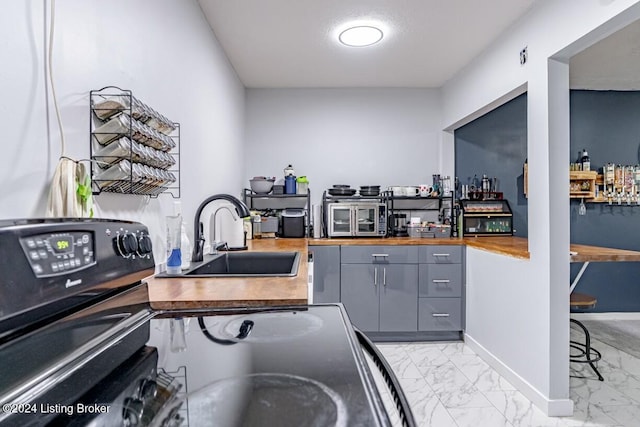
(246, 264)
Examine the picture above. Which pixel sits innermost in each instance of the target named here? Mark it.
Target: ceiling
(293, 43)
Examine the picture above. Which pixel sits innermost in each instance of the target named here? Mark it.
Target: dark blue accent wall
(607, 124)
(496, 144)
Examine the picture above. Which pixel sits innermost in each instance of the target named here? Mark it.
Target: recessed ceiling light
(360, 36)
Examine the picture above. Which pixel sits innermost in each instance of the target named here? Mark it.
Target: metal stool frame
(587, 354)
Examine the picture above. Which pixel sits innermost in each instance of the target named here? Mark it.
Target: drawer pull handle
(375, 277)
(441, 254)
(384, 276)
(380, 255)
(441, 280)
(440, 314)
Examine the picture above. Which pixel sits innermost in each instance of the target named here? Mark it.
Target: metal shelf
(140, 171)
(279, 202)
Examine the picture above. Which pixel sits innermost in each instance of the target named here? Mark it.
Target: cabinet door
(398, 297)
(359, 294)
(326, 273)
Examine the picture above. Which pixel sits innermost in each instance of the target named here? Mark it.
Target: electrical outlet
(524, 56)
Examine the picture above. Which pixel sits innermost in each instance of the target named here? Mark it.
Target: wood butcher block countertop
(228, 292)
(193, 293)
(235, 292)
(505, 245)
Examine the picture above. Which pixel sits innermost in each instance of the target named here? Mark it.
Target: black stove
(80, 345)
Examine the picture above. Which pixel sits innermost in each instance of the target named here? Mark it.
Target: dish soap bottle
(174, 241)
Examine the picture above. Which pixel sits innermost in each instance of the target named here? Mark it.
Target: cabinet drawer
(379, 254)
(440, 280)
(439, 314)
(441, 254)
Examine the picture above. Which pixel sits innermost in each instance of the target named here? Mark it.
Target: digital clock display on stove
(57, 254)
(61, 244)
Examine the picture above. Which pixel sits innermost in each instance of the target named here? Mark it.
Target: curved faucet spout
(198, 247)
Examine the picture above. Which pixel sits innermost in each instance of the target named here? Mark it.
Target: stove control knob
(126, 244)
(147, 389)
(132, 411)
(144, 245)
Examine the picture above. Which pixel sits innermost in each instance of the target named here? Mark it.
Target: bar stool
(586, 353)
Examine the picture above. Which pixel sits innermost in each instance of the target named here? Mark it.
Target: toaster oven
(356, 219)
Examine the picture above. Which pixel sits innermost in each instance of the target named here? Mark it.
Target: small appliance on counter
(293, 223)
(399, 225)
(356, 219)
(486, 218)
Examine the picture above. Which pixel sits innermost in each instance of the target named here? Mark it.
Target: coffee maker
(398, 223)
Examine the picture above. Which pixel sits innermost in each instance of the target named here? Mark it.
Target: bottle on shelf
(486, 184)
(290, 184)
(475, 183)
(585, 161)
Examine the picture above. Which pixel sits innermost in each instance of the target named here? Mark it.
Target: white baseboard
(551, 407)
(607, 316)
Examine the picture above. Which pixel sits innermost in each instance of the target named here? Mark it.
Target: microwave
(356, 219)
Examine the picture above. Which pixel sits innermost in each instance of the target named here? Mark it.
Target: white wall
(345, 136)
(538, 287)
(163, 50)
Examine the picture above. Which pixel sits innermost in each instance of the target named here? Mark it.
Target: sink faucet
(216, 244)
(198, 235)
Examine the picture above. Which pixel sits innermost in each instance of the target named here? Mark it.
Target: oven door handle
(402, 404)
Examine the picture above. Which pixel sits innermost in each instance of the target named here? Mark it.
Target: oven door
(366, 220)
(341, 220)
(44, 372)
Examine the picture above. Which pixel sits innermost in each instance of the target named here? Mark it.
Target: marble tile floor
(448, 385)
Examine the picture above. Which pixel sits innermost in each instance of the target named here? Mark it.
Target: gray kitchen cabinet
(379, 287)
(359, 294)
(326, 273)
(441, 289)
(398, 296)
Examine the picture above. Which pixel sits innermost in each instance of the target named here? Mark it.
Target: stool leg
(588, 349)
